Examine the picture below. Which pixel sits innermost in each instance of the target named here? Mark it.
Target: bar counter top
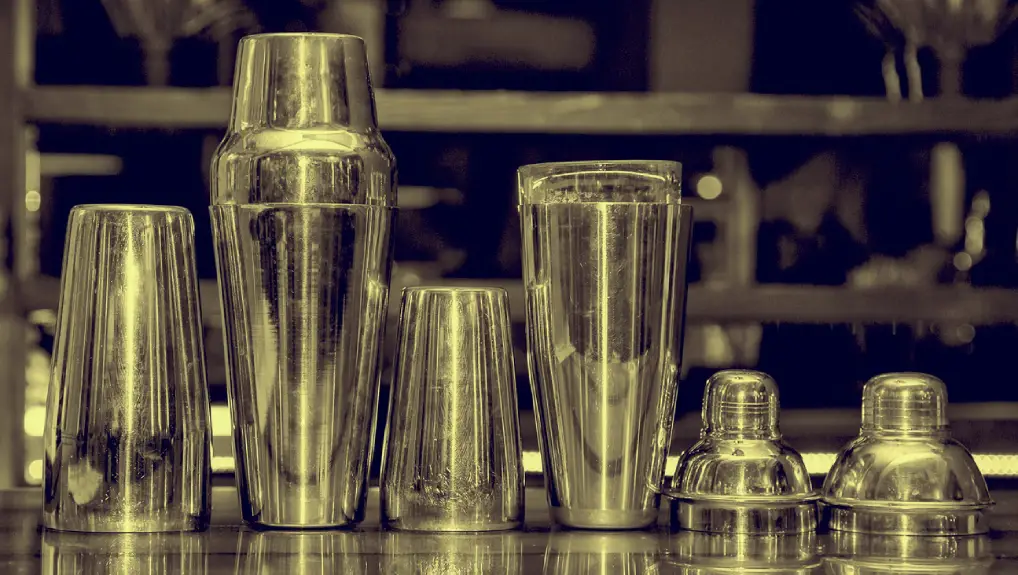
(229, 547)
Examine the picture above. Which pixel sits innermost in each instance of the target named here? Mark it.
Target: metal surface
(228, 548)
(605, 247)
(904, 474)
(452, 458)
(741, 476)
(303, 189)
(127, 439)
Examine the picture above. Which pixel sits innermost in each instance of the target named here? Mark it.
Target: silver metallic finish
(452, 458)
(303, 189)
(134, 553)
(605, 248)
(692, 552)
(855, 553)
(494, 553)
(278, 552)
(581, 553)
(904, 474)
(741, 476)
(127, 438)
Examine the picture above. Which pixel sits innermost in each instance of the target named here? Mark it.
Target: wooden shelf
(766, 304)
(552, 113)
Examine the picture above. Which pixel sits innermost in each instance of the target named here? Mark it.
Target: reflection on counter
(850, 553)
(619, 553)
(452, 553)
(134, 553)
(695, 553)
(308, 552)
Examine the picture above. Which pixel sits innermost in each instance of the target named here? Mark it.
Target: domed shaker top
(741, 477)
(904, 474)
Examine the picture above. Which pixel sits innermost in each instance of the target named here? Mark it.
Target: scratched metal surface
(228, 547)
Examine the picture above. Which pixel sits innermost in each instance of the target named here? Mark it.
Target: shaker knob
(904, 402)
(741, 401)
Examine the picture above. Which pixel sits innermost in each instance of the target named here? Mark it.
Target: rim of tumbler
(614, 164)
(530, 174)
(438, 289)
(329, 35)
(131, 208)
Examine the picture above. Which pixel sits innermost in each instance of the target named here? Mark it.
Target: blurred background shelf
(772, 119)
(553, 113)
(761, 303)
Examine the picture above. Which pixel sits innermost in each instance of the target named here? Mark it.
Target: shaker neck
(302, 82)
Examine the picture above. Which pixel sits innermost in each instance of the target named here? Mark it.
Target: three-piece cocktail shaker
(303, 200)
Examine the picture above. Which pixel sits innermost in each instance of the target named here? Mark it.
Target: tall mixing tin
(303, 199)
(605, 246)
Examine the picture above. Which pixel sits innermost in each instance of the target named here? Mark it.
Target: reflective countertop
(228, 547)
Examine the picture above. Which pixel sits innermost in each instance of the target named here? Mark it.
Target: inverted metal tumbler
(605, 248)
(127, 437)
(452, 459)
(303, 196)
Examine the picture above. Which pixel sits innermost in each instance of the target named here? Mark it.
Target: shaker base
(98, 523)
(606, 519)
(757, 518)
(444, 526)
(266, 526)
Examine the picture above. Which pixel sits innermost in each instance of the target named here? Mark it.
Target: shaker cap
(904, 402)
(741, 477)
(741, 401)
(904, 474)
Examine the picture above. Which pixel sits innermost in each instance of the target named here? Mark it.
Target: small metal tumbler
(605, 248)
(303, 199)
(452, 459)
(127, 438)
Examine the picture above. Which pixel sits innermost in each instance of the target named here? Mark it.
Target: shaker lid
(741, 477)
(904, 474)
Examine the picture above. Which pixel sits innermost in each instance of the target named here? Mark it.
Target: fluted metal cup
(605, 248)
(303, 196)
(452, 459)
(127, 438)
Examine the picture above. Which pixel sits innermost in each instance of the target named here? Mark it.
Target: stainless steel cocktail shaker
(605, 247)
(303, 199)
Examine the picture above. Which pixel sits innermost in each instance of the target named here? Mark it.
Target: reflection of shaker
(495, 553)
(851, 553)
(576, 552)
(303, 189)
(135, 553)
(301, 552)
(605, 247)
